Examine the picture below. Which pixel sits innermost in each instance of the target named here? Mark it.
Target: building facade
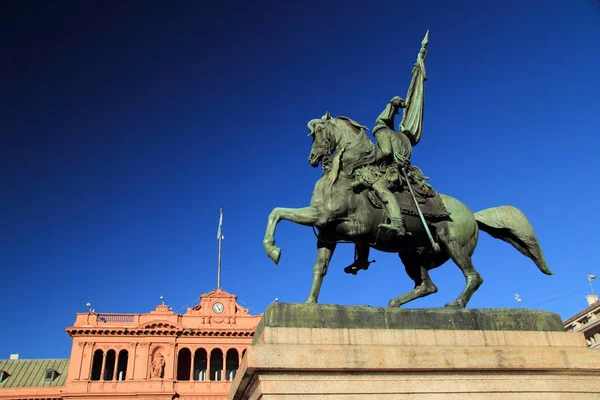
(587, 321)
(158, 355)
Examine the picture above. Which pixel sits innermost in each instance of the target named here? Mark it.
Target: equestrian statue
(371, 195)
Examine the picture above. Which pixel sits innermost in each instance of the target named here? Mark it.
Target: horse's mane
(359, 149)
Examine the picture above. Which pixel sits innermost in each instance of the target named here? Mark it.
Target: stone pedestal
(315, 352)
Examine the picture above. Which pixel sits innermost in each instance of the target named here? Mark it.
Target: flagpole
(590, 278)
(220, 238)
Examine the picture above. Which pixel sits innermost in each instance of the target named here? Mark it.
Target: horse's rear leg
(462, 258)
(416, 267)
(325, 251)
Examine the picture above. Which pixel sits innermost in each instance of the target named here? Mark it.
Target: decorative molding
(159, 325)
(148, 332)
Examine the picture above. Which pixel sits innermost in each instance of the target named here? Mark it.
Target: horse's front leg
(325, 251)
(303, 216)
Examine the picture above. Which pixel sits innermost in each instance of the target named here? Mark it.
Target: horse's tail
(509, 224)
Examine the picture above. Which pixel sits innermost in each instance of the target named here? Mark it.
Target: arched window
(200, 365)
(231, 364)
(216, 365)
(109, 365)
(122, 365)
(97, 365)
(184, 364)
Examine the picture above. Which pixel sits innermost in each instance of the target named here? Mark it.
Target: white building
(587, 321)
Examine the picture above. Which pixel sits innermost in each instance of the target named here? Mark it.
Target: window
(109, 365)
(231, 364)
(184, 364)
(122, 365)
(97, 365)
(3, 375)
(50, 374)
(200, 365)
(216, 365)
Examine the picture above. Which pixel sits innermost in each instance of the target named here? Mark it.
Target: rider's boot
(394, 225)
(395, 222)
(361, 261)
(356, 266)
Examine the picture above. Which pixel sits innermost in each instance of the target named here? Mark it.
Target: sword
(436, 247)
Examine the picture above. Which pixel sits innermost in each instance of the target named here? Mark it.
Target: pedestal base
(332, 352)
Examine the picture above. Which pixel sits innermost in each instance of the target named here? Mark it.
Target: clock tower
(220, 308)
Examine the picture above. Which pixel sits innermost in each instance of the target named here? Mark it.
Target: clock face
(218, 307)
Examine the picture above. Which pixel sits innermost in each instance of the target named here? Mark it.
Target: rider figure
(394, 152)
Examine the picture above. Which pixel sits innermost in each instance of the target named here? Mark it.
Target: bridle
(327, 144)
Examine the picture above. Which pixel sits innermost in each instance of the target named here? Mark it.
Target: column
(208, 355)
(115, 377)
(131, 362)
(103, 364)
(224, 371)
(76, 371)
(142, 357)
(191, 365)
(175, 359)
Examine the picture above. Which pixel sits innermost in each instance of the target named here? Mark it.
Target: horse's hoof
(455, 304)
(393, 303)
(274, 254)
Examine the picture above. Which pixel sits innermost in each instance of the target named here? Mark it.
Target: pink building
(159, 355)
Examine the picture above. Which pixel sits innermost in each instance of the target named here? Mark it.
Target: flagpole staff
(220, 237)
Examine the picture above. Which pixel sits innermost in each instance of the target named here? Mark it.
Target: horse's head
(328, 134)
(323, 142)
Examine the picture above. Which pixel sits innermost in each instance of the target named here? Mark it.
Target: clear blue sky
(125, 128)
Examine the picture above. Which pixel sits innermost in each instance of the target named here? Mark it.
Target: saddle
(432, 208)
(430, 202)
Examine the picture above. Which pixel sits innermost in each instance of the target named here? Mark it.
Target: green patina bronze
(296, 315)
(371, 195)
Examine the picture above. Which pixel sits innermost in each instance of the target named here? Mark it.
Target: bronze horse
(341, 214)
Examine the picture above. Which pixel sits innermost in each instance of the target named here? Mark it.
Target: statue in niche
(157, 366)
